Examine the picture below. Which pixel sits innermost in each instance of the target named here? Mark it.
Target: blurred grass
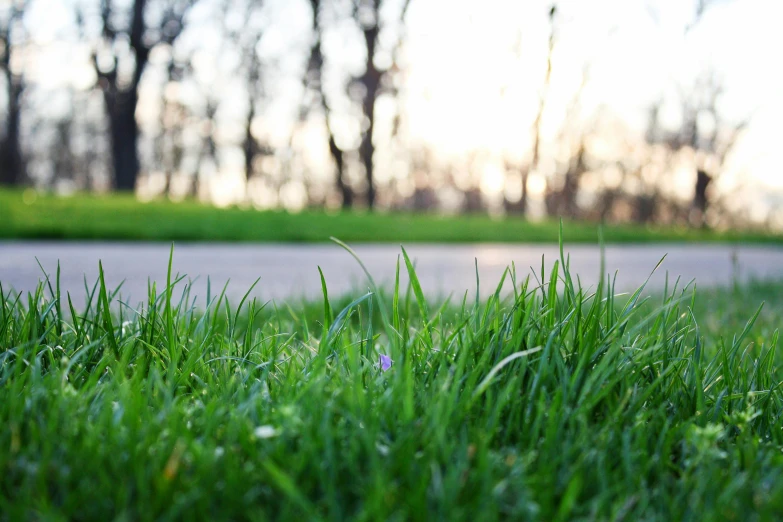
(30, 215)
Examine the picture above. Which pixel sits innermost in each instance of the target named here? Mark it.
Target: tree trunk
(518, 207)
(700, 200)
(339, 161)
(367, 150)
(124, 131)
(12, 168)
(313, 80)
(521, 206)
(371, 79)
(250, 146)
(703, 181)
(570, 190)
(121, 100)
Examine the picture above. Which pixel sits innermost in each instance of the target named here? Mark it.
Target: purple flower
(386, 362)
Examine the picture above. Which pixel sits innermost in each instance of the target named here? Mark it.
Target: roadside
(29, 215)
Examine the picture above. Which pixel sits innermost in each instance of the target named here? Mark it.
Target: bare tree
(366, 88)
(700, 102)
(169, 146)
(690, 128)
(314, 83)
(716, 142)
(520, 207)
(120, 59)
(248, 39)
(561, 201)
(12, 165)
(646, 203)
(367, 14)
(63, 160)
(250, 146)
(561, 194)
(208, 151)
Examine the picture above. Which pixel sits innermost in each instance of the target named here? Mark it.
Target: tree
(561, 198)
(314, 83)
(365, 88)
(169, 142)
(250, 146)
(12, 165)
(120, 58)
(367, 14)
(520, 207)
(561, 202)
(248, 38)
(715, 143)
(698, 103)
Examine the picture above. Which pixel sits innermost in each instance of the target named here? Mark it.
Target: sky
(473, 72)
(635, 50)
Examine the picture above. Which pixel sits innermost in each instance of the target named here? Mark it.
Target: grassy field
(34, 216)
(546, 405)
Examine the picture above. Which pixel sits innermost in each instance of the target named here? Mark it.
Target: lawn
(28, 215)
(575, 404)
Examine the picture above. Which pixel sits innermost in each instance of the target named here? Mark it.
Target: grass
(28, 215)
(575, 404)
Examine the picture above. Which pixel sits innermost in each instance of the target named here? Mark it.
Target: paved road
(290, 271)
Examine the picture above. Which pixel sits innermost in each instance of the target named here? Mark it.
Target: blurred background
(642, 111)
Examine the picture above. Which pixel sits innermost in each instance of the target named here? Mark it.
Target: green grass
(87, 217)
(545, 405)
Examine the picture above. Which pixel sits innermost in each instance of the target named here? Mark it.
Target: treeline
(168, 96)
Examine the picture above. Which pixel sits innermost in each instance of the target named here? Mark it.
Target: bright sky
(461, 64)
(473, 70)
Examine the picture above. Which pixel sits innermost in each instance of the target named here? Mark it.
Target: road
(291, 271)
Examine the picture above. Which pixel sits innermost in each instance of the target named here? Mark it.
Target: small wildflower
(386, 362)
(265, 432)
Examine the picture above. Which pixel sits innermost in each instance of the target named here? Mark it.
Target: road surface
(291, 271)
